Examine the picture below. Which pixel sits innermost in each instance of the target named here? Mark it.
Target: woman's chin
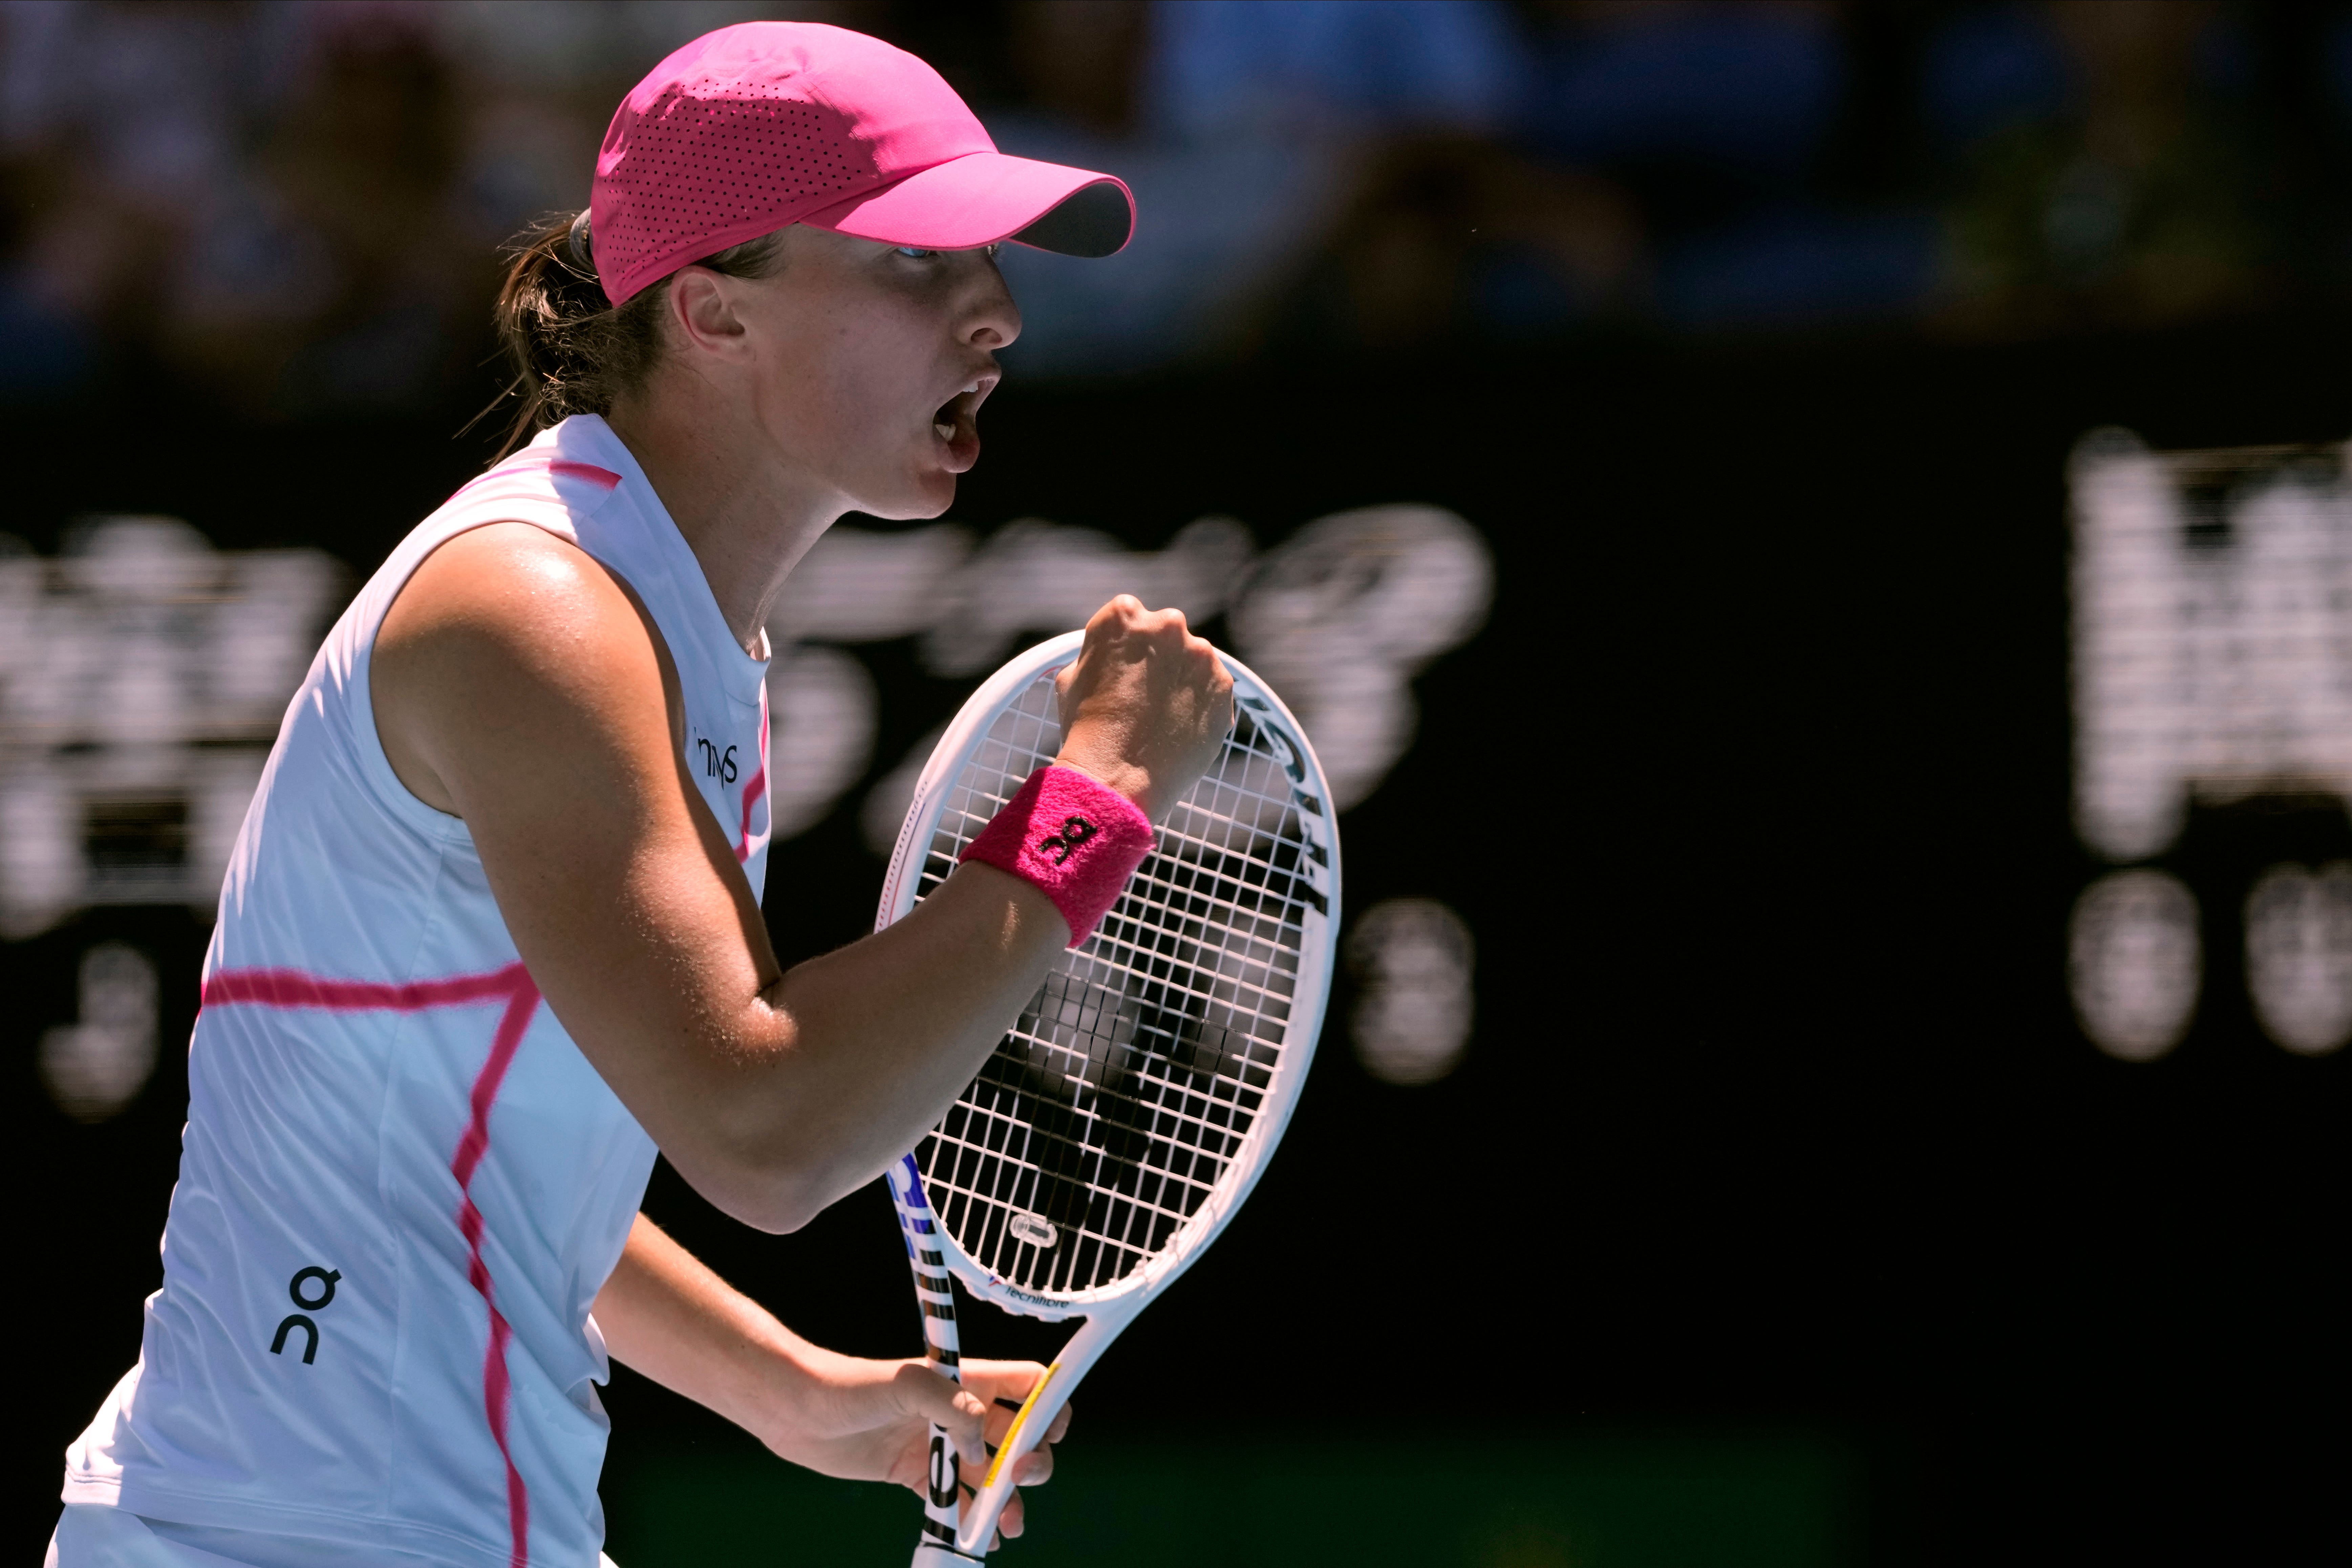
(923, 495)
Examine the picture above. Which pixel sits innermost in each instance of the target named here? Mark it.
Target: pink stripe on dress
(757, 788)
(603, 479)
(523, 463)
(513, 984)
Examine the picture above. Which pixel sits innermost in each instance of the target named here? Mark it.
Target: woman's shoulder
(513, 592)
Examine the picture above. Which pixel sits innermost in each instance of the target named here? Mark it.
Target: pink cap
(767, 123)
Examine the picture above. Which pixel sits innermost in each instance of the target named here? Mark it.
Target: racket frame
(1107, 1309)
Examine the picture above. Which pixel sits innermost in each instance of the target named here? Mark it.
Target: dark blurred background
(1781, 1108)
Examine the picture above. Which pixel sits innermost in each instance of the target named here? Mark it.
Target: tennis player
(491, 937)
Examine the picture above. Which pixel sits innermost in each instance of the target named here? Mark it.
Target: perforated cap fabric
(767, 123)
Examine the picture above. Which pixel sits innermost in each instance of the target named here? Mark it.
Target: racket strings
(1111, 1108)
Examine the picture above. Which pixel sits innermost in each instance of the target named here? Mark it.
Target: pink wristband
(1077, 839)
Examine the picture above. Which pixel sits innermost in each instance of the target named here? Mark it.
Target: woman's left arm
(666, 1315)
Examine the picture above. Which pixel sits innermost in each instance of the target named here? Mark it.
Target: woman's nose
(995, 320)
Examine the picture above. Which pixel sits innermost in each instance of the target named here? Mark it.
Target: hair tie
(583, 246)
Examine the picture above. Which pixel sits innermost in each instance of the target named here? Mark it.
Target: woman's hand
(871, 1420)
(665, 1314)
(1145, 705)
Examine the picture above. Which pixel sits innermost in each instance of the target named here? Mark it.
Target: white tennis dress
(401, 1185)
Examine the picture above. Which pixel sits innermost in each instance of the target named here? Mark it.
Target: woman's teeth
(943, 423)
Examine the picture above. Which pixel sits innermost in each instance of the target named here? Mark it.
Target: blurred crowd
(294, 208)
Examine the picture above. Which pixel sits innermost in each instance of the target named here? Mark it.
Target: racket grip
(944, 1497)
(1029, 1428)
(931, 1553)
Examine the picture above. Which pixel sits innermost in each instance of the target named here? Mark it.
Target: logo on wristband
(1075, 830)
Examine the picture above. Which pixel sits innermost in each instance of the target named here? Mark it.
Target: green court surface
(1632, 1503)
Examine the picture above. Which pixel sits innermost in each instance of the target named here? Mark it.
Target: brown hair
(571, 350)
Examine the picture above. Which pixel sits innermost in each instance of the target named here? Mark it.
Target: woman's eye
(915, 251)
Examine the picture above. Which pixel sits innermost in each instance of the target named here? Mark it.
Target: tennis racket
(1127, 1112)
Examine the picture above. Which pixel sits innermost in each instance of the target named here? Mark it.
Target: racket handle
(936, 1296)
(929, 1554)
(1029, 1429)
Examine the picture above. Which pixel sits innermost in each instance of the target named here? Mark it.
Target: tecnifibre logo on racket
(1031, 1228)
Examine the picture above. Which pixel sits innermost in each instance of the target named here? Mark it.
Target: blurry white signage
(95, 1068)
(2134, 963)
(2212, 661)
(1414, 963)
(1339, 619)
(2299, 955)
(142, 676)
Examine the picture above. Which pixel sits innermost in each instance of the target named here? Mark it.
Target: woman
(491, 934)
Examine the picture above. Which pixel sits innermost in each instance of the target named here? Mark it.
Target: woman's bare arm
(519, 685)
(667, 1316)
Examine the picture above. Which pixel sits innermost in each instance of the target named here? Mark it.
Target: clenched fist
(1145, 705)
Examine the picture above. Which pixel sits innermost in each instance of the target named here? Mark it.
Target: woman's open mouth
(956, 423)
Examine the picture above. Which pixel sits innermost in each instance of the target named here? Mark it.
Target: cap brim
(982, 198)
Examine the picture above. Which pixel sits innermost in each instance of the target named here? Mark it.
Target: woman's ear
(703, 308)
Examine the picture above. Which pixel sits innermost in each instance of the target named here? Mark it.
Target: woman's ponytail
(571, 350)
